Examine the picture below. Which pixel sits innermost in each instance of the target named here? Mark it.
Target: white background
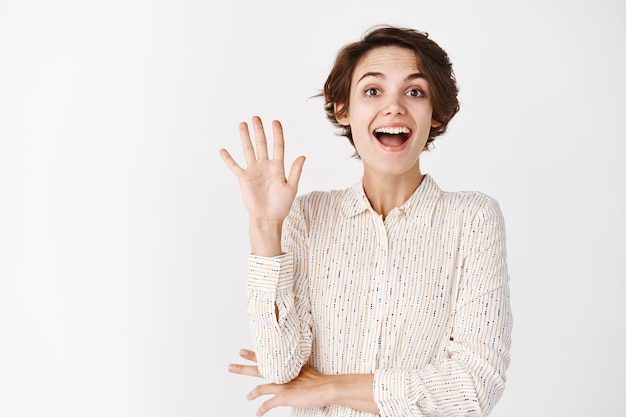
(123, 238)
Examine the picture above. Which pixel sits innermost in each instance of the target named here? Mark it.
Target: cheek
(361, 129)
(360, 136)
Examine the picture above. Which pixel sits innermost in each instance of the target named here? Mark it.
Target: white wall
(123, 237)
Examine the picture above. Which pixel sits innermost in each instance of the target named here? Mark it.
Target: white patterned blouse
(419, 300)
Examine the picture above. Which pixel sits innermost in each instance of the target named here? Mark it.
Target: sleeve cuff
(270, 274)
(394, 392)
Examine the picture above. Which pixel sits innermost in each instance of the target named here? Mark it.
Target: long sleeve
(470, 380)
(283, 343)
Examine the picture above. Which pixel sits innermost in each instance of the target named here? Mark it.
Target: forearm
(470, 381)
(279, 328)
(282, 347)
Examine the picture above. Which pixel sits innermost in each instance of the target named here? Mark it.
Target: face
(390, 113)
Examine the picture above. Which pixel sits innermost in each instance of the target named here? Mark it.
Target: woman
(390, 297)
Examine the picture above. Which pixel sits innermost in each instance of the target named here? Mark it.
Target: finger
(295, 171)
(248, 354)
(279, 141)
(250, 370)
(268, 405)
(230, 162)
(263, 389)
(259, 137)
(246, 143)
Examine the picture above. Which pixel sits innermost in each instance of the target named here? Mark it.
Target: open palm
(267, 193)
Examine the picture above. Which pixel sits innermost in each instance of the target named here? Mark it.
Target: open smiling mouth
(392, 136)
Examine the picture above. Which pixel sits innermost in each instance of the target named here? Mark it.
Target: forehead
(386, 59)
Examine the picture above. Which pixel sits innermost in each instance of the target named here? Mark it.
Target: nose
(394, 105)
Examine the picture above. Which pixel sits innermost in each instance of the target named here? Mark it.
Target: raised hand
(267, 193)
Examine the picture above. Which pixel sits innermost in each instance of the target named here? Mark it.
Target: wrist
(353, 390)
(265, 237)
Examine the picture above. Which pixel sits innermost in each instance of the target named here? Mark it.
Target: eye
(372, 92)
(415, 92)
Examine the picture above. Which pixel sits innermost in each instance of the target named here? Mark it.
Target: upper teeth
(393, 130)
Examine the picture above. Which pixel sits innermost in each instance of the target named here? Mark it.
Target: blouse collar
(424, 198)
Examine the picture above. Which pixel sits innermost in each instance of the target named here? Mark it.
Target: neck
(388, 192)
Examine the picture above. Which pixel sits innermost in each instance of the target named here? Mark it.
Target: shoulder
(474, 214)
(468, 200)
(468, 205)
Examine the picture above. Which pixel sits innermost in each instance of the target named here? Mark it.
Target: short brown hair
(432, 59)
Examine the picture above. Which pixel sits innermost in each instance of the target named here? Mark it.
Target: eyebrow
(411, 77)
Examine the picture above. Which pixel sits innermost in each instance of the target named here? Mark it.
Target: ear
(344, 120)
(434, 123)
